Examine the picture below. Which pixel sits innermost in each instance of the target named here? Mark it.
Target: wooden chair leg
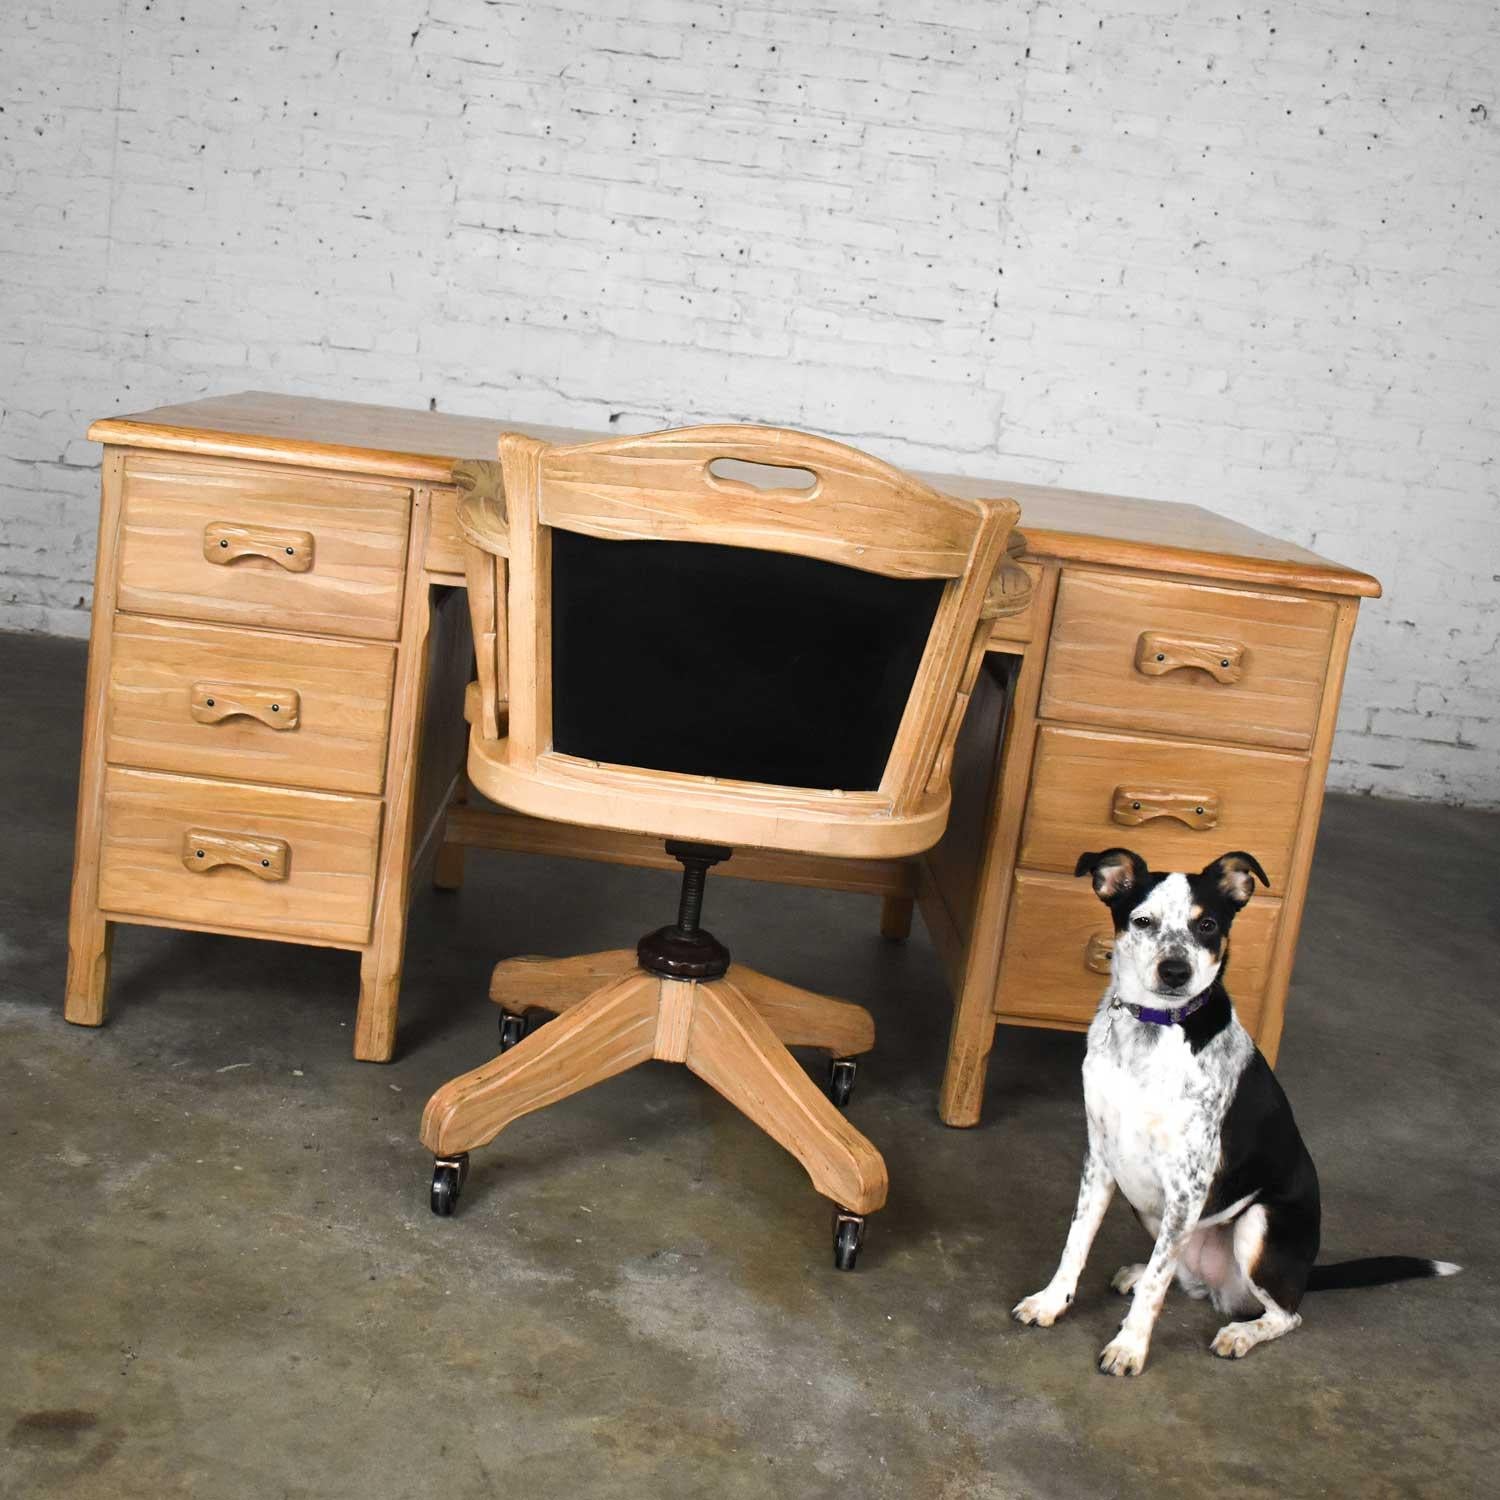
(803, 1018)
(895, 917)
(614, 1029)
(556, 984)
(734, 1049)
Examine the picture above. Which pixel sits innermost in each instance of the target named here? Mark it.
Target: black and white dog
(1187, 1119)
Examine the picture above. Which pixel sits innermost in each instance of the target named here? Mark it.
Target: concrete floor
(219, 1276)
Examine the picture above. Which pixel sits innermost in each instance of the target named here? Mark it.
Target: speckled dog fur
(1187, 1120)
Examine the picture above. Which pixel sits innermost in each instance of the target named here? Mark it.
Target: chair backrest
(638, 604)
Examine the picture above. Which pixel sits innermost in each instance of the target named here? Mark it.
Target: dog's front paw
(1042, 1308)
(1124, 1280)
(1235, 1340)
(1125, 1356)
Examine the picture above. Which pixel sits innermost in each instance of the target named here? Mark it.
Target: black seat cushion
(726, 661)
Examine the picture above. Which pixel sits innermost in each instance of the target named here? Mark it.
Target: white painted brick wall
(1241, 255)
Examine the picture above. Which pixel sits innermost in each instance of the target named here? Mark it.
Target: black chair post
(685, 950)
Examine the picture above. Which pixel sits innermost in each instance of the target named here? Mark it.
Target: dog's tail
(1377, 1270)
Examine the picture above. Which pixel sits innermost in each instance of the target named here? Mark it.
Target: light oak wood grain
(660, 486)
(731, 1030)
(86, 987)
(609, 1033)
(714, 1027)
(1273, 697)
(1062, 524)
(444, 556)
(1059, 933)
(860, 512)
(249, 705)
(976, 946)
(746, 815)
(216, 700)
(290, 550)
(676, 1005)
(485, 828)
(441, 782)
(331, 844)
(532, 981)
(1140, 546)
(952, 862)
(799, 1017)
(1016, 623)
(1158, 652)
(358, 533)
(204, 850)
(804, 1018)
(380, 963)
(1280, 976)
(1080, 800)
(734, 1049)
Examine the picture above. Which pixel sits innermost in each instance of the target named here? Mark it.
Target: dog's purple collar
(1155, 1017)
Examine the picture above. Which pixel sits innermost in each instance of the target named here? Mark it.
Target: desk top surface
(1072, 525)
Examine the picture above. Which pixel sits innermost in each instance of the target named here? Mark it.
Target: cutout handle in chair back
(786, 480)
(672, 486)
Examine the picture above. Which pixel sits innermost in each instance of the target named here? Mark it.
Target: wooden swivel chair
(664, 648)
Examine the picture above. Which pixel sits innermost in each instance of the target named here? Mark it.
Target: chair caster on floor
(841, 1080)
(448, 1176)
(848, 1236)
(512, 1029)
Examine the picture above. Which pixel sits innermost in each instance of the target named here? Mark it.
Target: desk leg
(381, 961)
(448, 870)
(85, 997)
(89, 934)
(973, 1031)
(895, 917)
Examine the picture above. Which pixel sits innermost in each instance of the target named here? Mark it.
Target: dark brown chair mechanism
(664, 648)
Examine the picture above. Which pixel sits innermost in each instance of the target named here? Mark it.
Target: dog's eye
(1140, 921)
(1207, 926)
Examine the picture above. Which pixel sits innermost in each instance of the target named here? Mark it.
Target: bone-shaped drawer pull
(225, 542)
(204, 850)
(277, 708)
(1132, 805)
(1098, 951)
(1158, 652)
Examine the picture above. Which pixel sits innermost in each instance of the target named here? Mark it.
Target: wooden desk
(276, 679)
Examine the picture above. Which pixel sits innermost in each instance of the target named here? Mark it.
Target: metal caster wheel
(448, 1176)
(848, 1236)
(512, 1029)
(841, 1080)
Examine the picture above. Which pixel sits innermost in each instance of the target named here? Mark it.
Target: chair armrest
(481, 505)
(1010, 589)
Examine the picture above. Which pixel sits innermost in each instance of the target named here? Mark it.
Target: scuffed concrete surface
(219, 1276)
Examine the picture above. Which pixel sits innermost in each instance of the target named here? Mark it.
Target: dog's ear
(1234, 876)
(1115, 872)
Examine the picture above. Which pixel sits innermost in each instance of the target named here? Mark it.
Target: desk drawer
(1056, 961)
(203, 539)
(1209, 663)
(211, 700)
(276, 863)
(1179, 805)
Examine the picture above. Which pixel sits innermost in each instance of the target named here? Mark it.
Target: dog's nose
(1174, 972)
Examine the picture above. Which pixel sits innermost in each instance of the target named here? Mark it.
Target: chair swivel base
(616, 1009)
